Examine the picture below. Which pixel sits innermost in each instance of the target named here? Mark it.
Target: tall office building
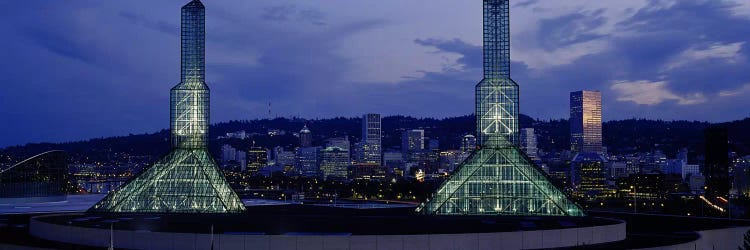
(412, 140)
(371, 128)
(588, 175)
(586, 121)
(528, 143)
(307, 161)
(257, 158)
(340, 142)
(370, 148)
(498, 179)
(716, 167)
(305, 137)
(283, 158)
(334, 162)
(187, 180)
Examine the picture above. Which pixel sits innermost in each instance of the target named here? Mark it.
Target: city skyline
(549, 38)
(495, 179)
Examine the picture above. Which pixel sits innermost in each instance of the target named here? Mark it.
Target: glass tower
(586, 121)
(187, 180)
(498, 178)
(370, 150)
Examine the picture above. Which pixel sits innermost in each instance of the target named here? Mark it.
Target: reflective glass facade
(586, 121)
(499, 181)
(498, 178)
(44, 175)
(497, 94)
(187, 180)
(189, 100)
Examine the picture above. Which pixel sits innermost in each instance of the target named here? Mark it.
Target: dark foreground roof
(319, 220)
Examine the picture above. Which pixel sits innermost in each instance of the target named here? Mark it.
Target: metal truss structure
(187, 180)
(498, 178)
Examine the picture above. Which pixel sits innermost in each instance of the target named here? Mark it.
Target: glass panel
(498, 179)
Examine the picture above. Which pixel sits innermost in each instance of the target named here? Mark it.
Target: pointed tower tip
(194, 3)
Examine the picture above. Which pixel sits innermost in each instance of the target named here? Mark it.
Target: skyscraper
(334, 162)
(341, 142)
(412, 140)
(588, 175)
(305, 137)
(371, 128)
(528, 143)
(370, 148)
(307, 161)
(257, 158)
(586, 121)
(187, 180)
(498, 178)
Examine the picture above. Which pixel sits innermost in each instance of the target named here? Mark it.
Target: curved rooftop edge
(30, 159)
(282, 227)
(38, 179)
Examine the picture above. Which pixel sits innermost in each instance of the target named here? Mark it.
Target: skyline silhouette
(682, 61)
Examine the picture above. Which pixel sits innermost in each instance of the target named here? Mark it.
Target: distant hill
(634, 135)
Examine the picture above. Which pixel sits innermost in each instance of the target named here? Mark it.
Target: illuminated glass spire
(498, 179)
(187, 180)
(190, 99)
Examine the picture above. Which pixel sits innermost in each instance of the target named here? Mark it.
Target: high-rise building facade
(340, 142)
(187, 180)
(588, 176)
(283, 158)
(334, 163)
(528, 143)
(371, 128)
(257, 158)
(412, 140)
(498, 179)
(307, 161)
(586, 121)
(305, 137)
(370, 148)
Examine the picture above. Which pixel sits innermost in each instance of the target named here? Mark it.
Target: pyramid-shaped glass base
(185, 181)
(499, 180)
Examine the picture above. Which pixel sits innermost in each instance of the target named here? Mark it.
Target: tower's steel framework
(187, 180)
(498, 178)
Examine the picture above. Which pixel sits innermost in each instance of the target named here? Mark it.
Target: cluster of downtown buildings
(591, 173)
(586, 170)
(339, 158)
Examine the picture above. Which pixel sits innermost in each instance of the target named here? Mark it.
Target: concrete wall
(728, 238)
(503, 240)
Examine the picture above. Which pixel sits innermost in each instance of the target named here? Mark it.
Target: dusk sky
(74, 70)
